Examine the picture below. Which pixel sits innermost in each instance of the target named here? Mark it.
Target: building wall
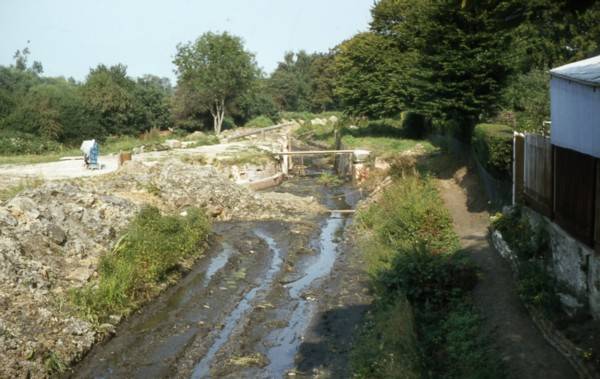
(575, 110)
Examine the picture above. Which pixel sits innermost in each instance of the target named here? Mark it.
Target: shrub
(426, 278)
(414, 125)
(411, 213)
(152, 247)
(492, 144)
(259, 122)
(12, 143)
(387, 344)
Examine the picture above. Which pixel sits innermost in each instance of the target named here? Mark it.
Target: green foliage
(531, 245)
(372, 73)
(410, 214)
(387, 344)
(24, 184)
(259, 122)
(427, 279)
(492, 144)
(329, 180)
(252, 156)
(411, 253)
(12, 143)
(54, 364)
(526, 102)
(215, 70)
(304, 82)
(151, 248)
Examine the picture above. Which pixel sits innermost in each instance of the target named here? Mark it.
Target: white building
(575, 106)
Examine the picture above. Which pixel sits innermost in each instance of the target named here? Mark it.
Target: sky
(71, 36)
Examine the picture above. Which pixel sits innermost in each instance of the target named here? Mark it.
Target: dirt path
(518, 342)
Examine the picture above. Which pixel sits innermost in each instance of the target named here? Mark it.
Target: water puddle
(218, 262)
(287, 340)
(202, 369)
(184, 294)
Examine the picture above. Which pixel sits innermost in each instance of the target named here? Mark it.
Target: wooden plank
(518, 167)
(314, 152)
(575, 193)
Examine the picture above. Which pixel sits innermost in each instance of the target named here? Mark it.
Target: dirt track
(519, 344)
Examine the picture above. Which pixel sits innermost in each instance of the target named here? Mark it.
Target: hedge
(492, 144)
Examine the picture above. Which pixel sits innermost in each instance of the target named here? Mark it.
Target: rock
(173, 143)
(318, 121)
(6, 218)
(333, 119)
(56, 234)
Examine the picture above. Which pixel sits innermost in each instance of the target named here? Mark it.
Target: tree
(291, 82)
(323, 77)
(461, 52)
(372, 76)
(152, 95)
(109, 93)
(215, 70)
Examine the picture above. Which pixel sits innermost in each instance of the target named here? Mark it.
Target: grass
(422, 323)
(329, 180)
(12, 191)
(250, 156)
(148, 254)
(114, 144)
(376, 136)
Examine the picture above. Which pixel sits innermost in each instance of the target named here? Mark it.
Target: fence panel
(537, 169)
(575, 187)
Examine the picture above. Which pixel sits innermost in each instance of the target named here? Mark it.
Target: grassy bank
(148, 255)
(151, 140)
(422, 323)
(383, 137)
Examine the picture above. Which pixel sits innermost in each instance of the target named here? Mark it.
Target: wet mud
(260, 304)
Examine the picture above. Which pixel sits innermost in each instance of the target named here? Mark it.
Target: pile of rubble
(51, 239)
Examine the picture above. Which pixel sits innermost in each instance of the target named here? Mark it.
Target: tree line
(460, 62)
(456, 62)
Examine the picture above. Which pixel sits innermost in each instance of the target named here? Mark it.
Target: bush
(410, 249)
(410, 213)
(151, 248)
(492, 144)
(259, 122)
(13, 143)
(387, 344)
(426, 278)
(414, 125)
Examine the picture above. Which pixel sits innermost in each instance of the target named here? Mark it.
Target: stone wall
(575, 266)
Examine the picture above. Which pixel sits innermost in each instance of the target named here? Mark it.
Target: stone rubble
(51, 239)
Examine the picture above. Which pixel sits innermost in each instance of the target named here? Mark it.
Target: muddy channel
(247, 307)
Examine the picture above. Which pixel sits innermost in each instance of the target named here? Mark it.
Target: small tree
(216, 70)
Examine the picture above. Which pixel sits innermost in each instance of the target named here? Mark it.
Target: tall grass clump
(152, 248)
(422, 322)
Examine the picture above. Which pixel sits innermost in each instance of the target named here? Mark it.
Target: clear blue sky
(70, 36)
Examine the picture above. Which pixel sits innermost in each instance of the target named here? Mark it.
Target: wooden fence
(560, 183)
(575, 190)
(537, 173)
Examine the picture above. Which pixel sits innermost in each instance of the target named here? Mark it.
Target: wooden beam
(315, 152)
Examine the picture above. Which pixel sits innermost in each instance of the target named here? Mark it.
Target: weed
(252, 156)
(151, 248)
(54, 364)
(416, 269)
(329, 180)
(24, 184)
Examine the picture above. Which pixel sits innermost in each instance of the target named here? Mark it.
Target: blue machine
(90, 150)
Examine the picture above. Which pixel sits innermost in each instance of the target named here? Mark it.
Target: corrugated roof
(586, 71)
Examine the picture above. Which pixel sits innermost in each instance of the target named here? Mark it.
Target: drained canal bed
(245, 308)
